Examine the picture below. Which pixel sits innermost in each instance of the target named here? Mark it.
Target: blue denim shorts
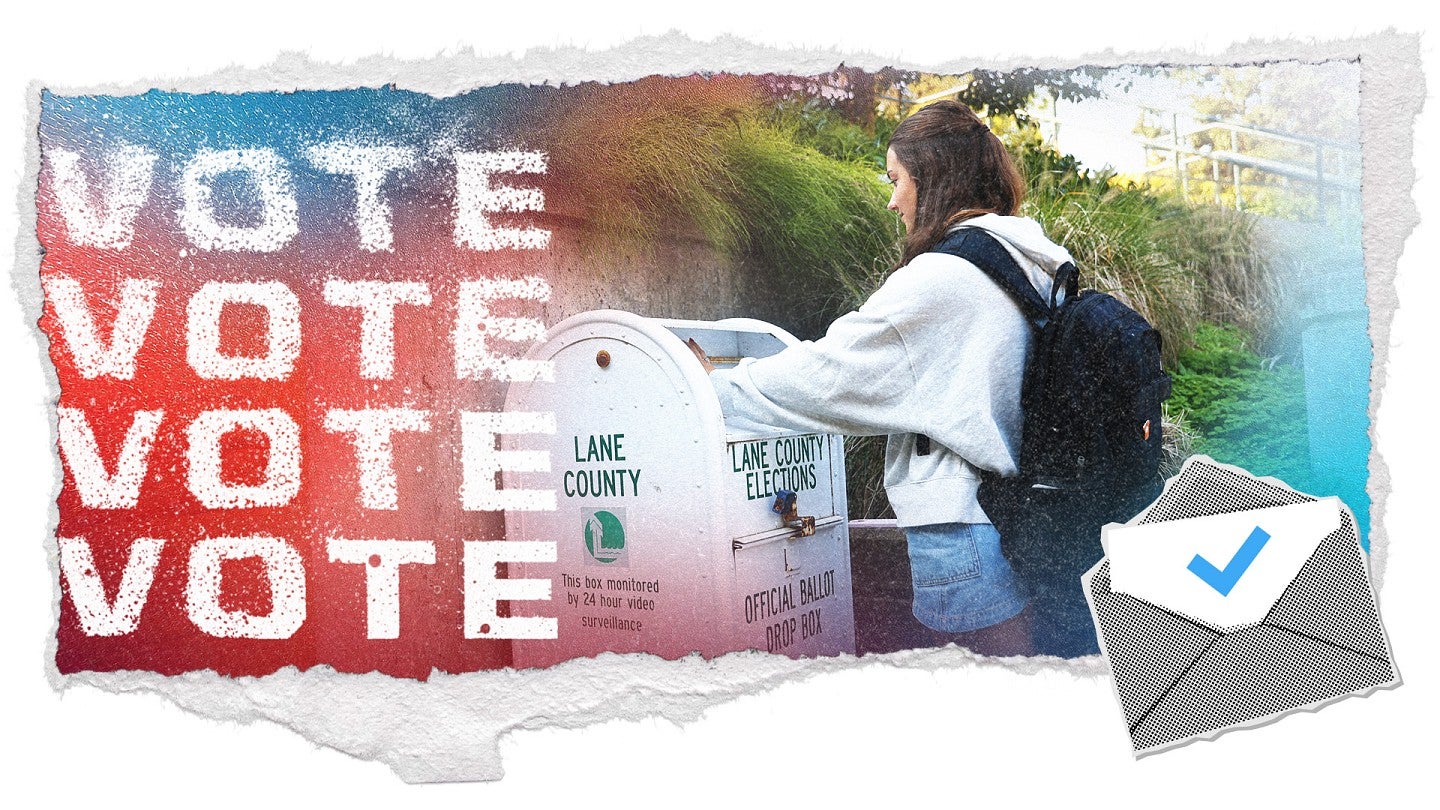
(961, 580)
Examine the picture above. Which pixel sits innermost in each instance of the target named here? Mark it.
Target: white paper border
(960, 713)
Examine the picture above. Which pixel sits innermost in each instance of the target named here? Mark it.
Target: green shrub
(1246, 411)
(820, 221)
(635, 160)
(1175, 263)
(865, 478)
(813, 123)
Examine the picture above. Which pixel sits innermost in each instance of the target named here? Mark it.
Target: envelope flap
(1335, 577)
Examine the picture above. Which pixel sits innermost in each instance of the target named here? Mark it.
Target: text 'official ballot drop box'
(667, 538)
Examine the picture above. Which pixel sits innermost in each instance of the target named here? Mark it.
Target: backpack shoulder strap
(981, 249)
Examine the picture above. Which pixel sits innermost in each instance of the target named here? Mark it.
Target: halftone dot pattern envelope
(1177, 679)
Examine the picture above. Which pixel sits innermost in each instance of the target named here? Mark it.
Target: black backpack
(1090, 439)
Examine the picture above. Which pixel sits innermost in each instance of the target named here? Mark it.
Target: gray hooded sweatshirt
(938, 350)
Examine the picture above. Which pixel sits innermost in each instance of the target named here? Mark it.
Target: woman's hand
(700, 355)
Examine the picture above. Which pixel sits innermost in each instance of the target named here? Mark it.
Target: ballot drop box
(676, 531)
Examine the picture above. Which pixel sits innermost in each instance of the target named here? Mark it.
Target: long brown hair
(961, 170)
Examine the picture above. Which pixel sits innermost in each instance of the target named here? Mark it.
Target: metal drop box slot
(666, 535)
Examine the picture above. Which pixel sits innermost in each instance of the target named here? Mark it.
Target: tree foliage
(867, 99)
(1009, 92)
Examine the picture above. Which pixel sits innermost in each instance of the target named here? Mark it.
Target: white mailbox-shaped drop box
(667, 538)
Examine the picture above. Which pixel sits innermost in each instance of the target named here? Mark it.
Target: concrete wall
(680, 276)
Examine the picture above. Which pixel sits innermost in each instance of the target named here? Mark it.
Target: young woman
(933, 360)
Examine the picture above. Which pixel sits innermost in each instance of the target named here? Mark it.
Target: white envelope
(1290, 642)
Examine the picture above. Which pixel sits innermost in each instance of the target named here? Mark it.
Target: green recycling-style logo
(605, 536)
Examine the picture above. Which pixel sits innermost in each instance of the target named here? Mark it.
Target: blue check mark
(1223, 580)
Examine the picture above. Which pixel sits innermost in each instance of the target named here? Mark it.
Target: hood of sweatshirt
(1036, 254)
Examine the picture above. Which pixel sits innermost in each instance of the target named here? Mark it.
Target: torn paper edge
(1392, 93)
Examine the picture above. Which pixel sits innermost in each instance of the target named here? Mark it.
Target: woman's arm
(856, 380)
(938, 350)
